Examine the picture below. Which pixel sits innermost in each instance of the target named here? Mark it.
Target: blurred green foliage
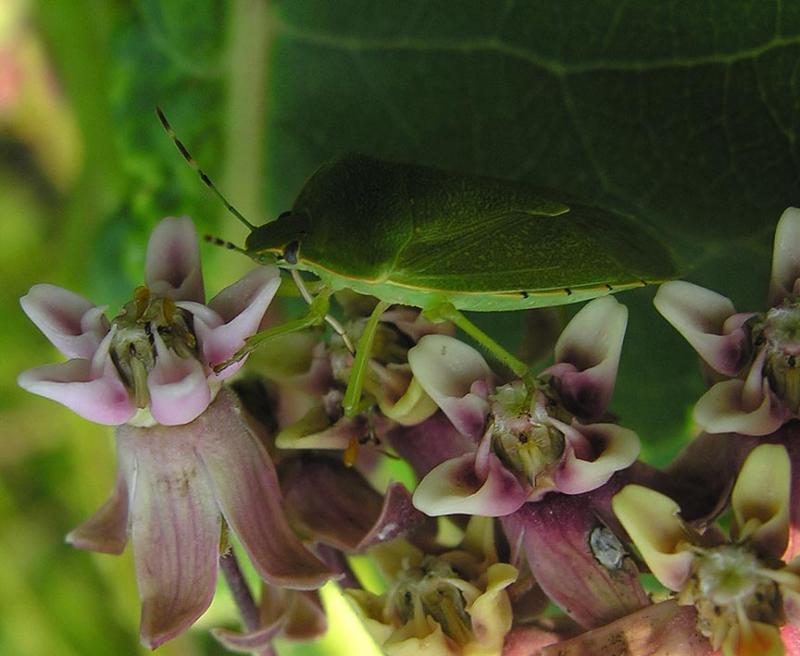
(684, 114)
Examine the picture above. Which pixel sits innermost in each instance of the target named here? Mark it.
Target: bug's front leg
(447, 312)
(317, 311)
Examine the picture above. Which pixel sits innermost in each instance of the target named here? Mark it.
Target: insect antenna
(211, 239)
(191, 161)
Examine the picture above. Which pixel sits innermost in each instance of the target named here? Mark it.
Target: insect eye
(290, 251)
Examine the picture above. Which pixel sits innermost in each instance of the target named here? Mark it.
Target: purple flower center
(133, 344)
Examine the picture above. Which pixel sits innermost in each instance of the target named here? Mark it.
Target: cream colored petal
(785, 256)
(651, 519)
(760, 499)
(720, 410)
(414, 407)
(491, 612)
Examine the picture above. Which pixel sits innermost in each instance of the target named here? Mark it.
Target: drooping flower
(757, 353)
(740, 588)
(451, 603)
(188, 463)
(153, 362)
(529, 439)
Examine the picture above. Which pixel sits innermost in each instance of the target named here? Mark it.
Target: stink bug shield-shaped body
(447, 242)
(419, 236)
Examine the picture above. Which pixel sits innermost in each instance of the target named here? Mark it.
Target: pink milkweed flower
(758, 354)
(188, 463)
(529, 440)
(153, 362)
(740, 588)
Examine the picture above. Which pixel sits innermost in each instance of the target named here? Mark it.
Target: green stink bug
(444, 242)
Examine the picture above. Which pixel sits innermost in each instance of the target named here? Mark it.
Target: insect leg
(352, 395)
(333, 322)
(316, 315)
(446, 312)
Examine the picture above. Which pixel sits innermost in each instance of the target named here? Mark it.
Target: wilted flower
(153, 362)
(451, 603)
(191, 461)
(759, 353)
(535, 440)
(740, 588)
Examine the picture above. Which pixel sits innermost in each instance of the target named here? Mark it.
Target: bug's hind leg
(317, 312)
(355, 384)
(447, 312)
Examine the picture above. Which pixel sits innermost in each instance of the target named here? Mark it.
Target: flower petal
(430, 443)
(709, 323)
(172, 263)
(785, 256)
(587, 357)
(175, 529)
(107, 530)
(453, 487)
(556, 535)
(447, 370)
(652, 521)
(315, 431)
(760, 499)
(614, 448)
(722, 410)
(237, 314)
(664, 629)
(102, 399)
(179, 390)
(73, 324)
(246, 488)
(490, 613)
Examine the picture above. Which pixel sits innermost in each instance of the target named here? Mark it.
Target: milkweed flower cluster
(529, 496)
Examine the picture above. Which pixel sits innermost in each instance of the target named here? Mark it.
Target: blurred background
(682, 113)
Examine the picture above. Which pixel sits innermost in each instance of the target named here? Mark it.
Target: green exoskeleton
(443, 242)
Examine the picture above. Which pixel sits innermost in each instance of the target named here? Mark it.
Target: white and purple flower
(153, 362)
(189, 464)
(757, 354)
(530, 439)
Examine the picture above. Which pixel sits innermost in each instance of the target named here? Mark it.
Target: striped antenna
(206, 180)
(211, 239)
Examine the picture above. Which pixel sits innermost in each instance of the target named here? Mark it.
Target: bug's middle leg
(447, 312)
(355, 384)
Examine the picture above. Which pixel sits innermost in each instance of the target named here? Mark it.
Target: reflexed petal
(785, 256)
(615, 448)
(413, 323)
(172, 264)
(73, 324)
(701, 316)
(178, 387)
(556, 535)
(652, 521)
(103, 399)
(720, 410)
(237, 313)
(246, 488)
(414, 407)
(175, 529)
(107, 530)
(587, 357)
(664, 629)
(760, 499)
(251, 642)
(315, 431)
(753, 639)
(430, 443)
(454, 488)
(305, 615)
(446, 369)
(491, 613)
